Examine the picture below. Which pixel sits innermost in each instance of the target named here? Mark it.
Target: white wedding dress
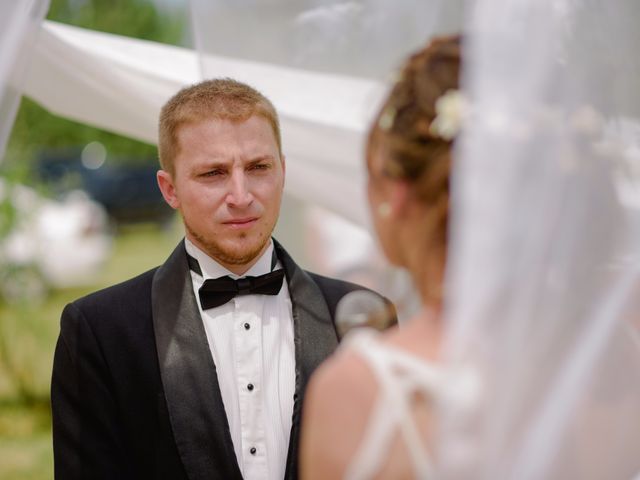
(402, 378)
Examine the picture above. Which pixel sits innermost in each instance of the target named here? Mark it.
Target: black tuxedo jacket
(134, 391)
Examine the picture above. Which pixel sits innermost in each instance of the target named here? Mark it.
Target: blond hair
(217, 99)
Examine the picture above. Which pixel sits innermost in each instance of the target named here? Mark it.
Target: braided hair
(413, 151)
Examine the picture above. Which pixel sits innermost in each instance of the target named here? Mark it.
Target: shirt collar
(212, 269)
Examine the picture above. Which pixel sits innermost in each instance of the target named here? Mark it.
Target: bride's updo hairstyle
(416, 143)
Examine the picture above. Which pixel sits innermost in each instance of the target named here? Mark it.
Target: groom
(197, 369)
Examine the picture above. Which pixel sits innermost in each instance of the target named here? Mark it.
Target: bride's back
(367, 413)
(378, 390)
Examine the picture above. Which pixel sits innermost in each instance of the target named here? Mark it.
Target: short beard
(218, 253)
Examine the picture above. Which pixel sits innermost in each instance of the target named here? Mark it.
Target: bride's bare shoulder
(338, 402)
(345, 374)
(340, 398)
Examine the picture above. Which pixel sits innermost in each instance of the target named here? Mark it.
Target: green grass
(28, 333)
(25, 450)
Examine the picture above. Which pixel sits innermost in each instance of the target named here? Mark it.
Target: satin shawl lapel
(314, 336)
(191, 388)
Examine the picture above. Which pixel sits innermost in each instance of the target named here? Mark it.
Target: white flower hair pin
(451, 109)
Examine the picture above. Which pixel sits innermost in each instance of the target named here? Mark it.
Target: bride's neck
(424, 259)
(423, 333)
(427, 274)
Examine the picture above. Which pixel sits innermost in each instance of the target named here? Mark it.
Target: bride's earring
(384, 209)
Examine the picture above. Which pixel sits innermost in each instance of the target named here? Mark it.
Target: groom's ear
(284, 168)
(168, 189)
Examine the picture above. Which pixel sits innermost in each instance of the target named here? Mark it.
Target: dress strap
(399, 375)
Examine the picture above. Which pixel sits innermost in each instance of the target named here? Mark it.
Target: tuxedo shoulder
(127, 296)
(114, 328)
(334, 289)
(334, 286)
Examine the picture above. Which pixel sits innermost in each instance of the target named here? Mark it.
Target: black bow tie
(216, 292)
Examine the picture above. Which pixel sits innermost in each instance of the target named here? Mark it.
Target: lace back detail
(400, 377)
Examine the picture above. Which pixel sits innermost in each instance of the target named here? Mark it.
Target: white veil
(544, 285)
(19, 24)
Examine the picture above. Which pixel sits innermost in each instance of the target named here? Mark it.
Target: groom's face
(227, 184)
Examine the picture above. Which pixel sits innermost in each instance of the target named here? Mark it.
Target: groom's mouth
(241, 223)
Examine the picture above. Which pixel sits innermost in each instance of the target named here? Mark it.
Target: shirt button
(247, 326)
(250, 387)
(253, 451)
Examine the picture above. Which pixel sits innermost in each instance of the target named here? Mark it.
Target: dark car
(126, 188)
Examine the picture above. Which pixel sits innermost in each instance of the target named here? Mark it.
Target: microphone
(363, 308)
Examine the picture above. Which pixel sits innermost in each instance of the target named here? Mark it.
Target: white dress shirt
(251, 341)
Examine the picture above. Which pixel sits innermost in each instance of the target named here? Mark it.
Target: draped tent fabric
(19, 27)
(325, 100)
(120, 84)
(108, 81)
(544, 267)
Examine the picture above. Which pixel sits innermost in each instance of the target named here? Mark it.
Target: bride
(535, 374)
(369, 408)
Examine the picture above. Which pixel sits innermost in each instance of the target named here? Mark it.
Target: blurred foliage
(28, 330)
(28, 334)
(8, 212)
(36, 129)
(133, 18)
(25, 450)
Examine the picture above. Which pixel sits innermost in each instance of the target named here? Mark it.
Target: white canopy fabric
(19, 26)
(120, 84)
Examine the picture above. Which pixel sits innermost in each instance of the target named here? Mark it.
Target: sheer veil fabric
(542, 312)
